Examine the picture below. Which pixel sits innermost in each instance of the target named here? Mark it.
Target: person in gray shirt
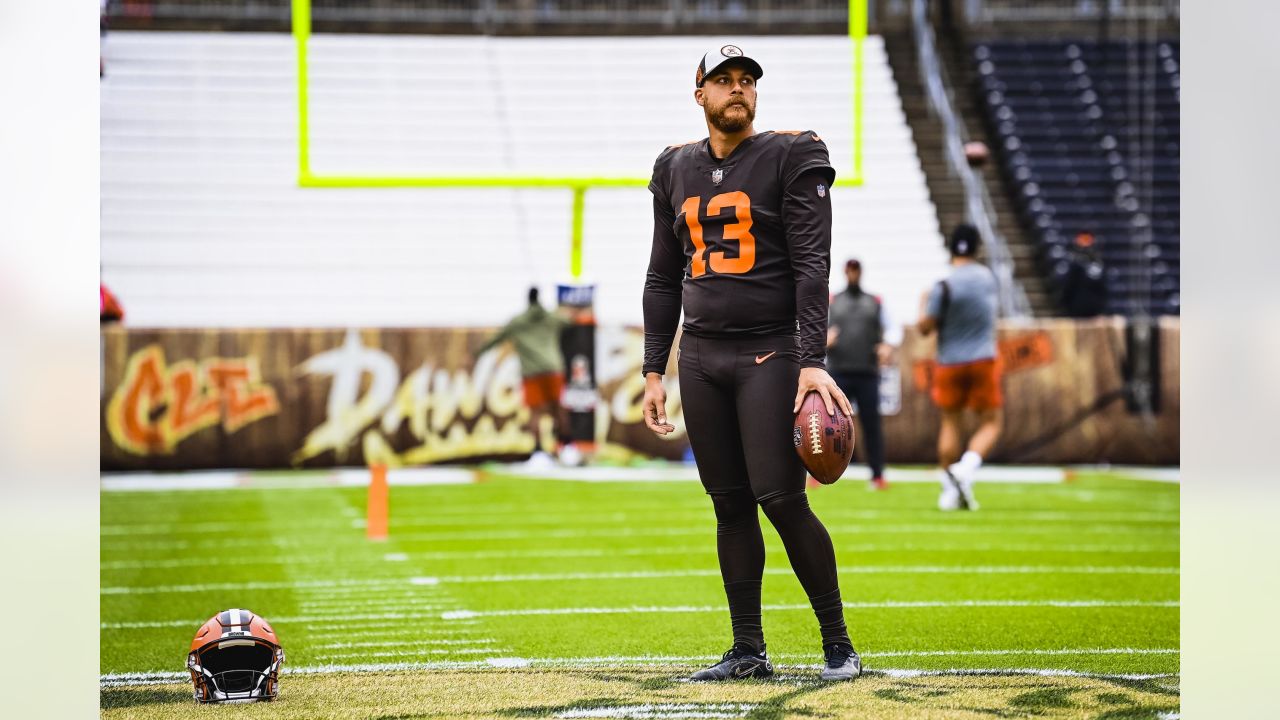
(856, 350)
(962, 310)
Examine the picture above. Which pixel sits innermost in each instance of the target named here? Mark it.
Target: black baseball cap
(721, 57)
(964, 241)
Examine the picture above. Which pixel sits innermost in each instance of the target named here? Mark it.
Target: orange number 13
(740, 231)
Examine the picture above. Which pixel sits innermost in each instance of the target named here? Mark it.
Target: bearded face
(733, 115)
(729, 101)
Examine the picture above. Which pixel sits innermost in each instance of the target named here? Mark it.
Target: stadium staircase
(944, 188)
(203, 224)
(1067, 115)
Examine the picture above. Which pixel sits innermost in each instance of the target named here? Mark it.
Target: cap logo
(822, 190)
(731, 51)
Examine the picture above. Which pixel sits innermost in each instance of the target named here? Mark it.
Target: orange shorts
(543, 389)
(974, 385)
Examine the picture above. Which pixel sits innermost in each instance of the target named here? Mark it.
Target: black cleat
(843, 662)
(737, 664)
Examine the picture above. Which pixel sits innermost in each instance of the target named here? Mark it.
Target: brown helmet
(235, 656)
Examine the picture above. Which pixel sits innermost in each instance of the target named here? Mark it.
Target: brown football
(823, 442)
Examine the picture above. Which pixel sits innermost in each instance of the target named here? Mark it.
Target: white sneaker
(961, 478)
(570, 456)
(540, 461)
(949, 498)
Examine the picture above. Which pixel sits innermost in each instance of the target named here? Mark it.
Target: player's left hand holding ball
(813, 378)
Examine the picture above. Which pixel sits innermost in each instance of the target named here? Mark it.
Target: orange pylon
(376, 520)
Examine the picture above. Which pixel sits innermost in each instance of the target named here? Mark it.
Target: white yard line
(145, 678)
(413, 653)
(468, 614)
(401, 643)
(689, 473)
(232, 480)
(1137, 472)
(429, 581)
(708, 549)
(344, 618)
(434, 475)
(291, 585)
(531, 523)
(862, 570)
(663, 711)
(213, 544)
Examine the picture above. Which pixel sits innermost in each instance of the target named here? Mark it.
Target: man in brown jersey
(742, 242)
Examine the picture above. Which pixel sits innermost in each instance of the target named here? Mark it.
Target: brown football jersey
(743, 243)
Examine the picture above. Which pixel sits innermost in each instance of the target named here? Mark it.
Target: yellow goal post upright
(578, 184)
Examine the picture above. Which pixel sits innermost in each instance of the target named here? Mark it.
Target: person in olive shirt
(535, 335)
(856, 350)
(742, 242)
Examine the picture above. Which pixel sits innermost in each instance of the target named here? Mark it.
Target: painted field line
(400, 643)
(588, 663)
(671, 711)
(703, 518)
(223, 480)
(357, 477)
(1137, 472)
(414, 653)
(429, 581)
(689, 473)
(994, 653)
(861, 570)
(299, 619)
(291, 585)
(470, 614)
(1111, 529)
(708, 549)
(904, 604)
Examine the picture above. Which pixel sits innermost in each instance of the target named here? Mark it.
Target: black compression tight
(740, 546)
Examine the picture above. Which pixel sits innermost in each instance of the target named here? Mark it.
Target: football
(976, 153)
(823, 442)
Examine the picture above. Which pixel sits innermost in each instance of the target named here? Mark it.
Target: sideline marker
(376, 511)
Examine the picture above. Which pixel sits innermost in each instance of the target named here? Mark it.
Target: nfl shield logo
(717, 175)
(822, 191)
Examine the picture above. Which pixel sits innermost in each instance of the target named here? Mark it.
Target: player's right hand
(655, 405)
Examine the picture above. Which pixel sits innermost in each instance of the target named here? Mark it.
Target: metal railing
(979, 209)
(499, 16)
(997, 11)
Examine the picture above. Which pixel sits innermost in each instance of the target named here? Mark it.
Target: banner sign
(187, 399)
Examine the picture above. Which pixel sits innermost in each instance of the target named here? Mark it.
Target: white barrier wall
(203, 224)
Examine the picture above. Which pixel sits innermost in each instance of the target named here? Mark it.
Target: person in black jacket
(856, 350)
(1083, 289)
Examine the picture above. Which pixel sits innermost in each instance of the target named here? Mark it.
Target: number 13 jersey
(743, 242)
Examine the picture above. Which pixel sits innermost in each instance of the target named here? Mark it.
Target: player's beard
(731, 124)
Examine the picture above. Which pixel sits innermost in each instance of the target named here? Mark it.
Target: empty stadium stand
(1089, 140)
(203, 223)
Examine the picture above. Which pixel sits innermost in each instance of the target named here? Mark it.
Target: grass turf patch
(622, 692)
(1079, 576)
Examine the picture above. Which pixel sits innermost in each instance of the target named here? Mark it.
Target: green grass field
(515, 597)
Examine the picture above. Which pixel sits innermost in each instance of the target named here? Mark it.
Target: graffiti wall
(182, 399)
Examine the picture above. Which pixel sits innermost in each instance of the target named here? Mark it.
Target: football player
(742, 241)
(962, 309)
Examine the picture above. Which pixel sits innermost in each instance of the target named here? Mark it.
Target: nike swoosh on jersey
(762, 358)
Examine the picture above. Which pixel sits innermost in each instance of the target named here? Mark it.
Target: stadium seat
(1067, 121)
